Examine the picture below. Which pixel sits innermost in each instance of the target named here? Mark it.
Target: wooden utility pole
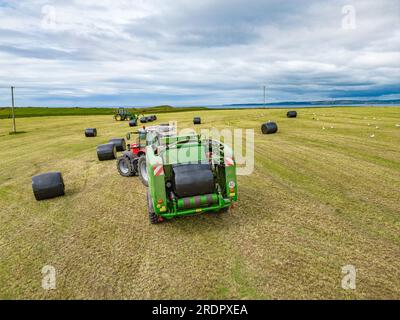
(12, 108)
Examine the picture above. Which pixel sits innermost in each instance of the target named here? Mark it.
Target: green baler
(188, 175)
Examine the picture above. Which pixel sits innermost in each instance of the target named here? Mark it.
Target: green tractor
(123, 114)
(187, 175)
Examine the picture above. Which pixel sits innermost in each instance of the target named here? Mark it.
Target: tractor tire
(291, 114)
(120, 143)
(90, 132)
(152, 215)
(118, 117)
(143, 120)
(106, 151)
(143, 171)
(124, 167)
(133, 123)
(48, 185)
(269, 127)
(196, 120)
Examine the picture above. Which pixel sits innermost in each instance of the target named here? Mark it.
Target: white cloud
(146, 52)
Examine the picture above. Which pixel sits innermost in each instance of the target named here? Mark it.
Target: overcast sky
(197, 52)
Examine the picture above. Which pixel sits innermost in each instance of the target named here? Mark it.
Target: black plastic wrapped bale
(291, 114)
(193, 179)
(143, 120)
(133, 123)
(149, 118)
(48, 185)
(120, 143)
(107, 151)
(269, 127)
(196, 120)
(90, 132)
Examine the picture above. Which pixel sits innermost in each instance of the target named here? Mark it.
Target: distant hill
(319, 103)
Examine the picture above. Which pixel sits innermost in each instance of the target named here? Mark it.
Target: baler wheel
(143, 171)
(152, 215)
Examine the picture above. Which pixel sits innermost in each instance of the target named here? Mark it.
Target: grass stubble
(323, 194)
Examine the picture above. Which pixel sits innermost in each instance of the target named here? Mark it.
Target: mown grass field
(317, 200)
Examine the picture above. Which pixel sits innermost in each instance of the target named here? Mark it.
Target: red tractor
(127, 164)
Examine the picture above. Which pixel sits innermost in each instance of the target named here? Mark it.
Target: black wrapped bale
(133, 123)
(120, 143)
(196, 120)
(48, 185)
(291, 114)
(193, 179)
(269, 127)
(90, 132)
(107, 151)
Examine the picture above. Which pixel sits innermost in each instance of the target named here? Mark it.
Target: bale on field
(120, 143)
(269, 127)
(196, 120)
(291, 114)
(90, 132)
(107, 151)
(48, 185)
(133, 123)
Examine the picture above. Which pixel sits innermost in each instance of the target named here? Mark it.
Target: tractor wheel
(129, 118)
(48, 185)
(118, 117)
(134, 163)
(120, 143)
(124, 167)
(143, 171)
(106, 151)
(152, 215)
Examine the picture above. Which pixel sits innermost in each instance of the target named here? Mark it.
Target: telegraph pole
(12, 108)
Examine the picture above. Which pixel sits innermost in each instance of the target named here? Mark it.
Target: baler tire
(119, 143)
(106, 151)
(124, 167)
(90, 132)
(143, 171)
(150, 208)
(48, 185)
